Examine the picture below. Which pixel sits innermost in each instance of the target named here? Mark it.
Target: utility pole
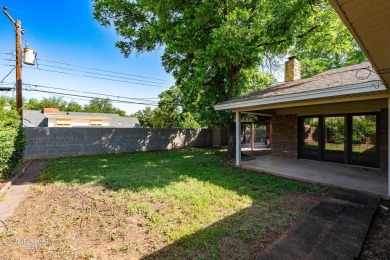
(19, 32)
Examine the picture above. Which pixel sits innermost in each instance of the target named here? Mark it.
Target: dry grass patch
(157, 205)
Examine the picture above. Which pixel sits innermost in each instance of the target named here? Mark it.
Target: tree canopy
(214, 48)
(168, 114)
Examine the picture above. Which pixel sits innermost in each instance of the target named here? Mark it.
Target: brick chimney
(51, 111)
(292, 69)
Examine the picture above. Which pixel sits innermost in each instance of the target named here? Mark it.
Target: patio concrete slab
(344, 176)
(16, 193)
(333, 229)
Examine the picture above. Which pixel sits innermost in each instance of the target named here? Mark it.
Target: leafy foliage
(144, 117)
(363, 130)
(97, 105)
(328, 49)
(168, 114)
(12, 142)
(214, 48)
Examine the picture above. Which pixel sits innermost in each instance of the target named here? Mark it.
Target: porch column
(388, 147)
(252, 136)
(238, 138)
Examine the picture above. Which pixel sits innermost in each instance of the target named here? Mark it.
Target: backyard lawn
(153, 205)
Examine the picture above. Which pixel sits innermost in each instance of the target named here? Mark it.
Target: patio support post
(388, 147)
(238, 139)
(252, 136)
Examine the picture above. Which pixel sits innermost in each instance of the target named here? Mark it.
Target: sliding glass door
(334, 143)
(351, 139)
(310, 137)
(364, 140)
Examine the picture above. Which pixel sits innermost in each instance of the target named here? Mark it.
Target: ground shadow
(240, 234)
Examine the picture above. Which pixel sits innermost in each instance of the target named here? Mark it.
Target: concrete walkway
(334, 229)
(344, 176)
(13, 196)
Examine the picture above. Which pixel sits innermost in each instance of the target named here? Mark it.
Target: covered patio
(331, 128)
(302, 111)
(369, 180)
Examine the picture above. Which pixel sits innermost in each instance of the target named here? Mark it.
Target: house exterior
(338, 116)
(52, 117)
(303, 112)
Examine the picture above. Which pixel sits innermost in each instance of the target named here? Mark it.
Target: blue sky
(65, 31)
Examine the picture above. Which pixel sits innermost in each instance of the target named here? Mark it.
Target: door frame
(347, 136)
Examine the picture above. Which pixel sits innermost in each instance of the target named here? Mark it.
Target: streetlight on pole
(19, 32)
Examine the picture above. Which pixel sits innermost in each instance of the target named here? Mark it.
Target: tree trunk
(231, 141)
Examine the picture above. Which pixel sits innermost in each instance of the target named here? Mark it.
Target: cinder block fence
(59, 142)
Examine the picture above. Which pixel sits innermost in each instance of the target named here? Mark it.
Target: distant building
(53, 117)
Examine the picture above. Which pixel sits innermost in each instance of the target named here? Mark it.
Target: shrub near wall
(12, 142)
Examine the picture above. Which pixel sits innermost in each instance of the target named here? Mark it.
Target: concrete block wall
(59, 142)
(285, 136)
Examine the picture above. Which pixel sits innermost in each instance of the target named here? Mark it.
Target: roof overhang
(369, 23)
(366, 90)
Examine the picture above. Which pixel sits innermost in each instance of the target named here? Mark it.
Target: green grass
(187, 197)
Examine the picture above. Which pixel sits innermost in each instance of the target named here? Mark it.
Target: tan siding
(337, 108)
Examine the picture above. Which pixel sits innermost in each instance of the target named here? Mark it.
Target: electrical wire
(82, 96)
(102, 78)
(8, 74)
(100, 74)
(93, 93)
(96, 94)
(132, 78)
(103, 70)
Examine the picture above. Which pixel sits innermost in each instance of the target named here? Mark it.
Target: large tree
(98, 105)
(214, 48)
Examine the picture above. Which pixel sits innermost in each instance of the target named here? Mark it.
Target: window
(351, 139)
(63, 122)
(310, 137)
(96, 122)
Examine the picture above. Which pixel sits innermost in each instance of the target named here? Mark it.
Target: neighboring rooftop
(35, 118)
(347, 76)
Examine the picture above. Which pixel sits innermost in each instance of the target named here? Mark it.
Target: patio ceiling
(369, 23)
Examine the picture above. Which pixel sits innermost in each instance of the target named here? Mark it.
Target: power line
(100, 74)
(126, 79)
(152, 83)
(94, 77)
(93, 93)
(103, 70)
(7, 65)
(8, 74)
(82, 96)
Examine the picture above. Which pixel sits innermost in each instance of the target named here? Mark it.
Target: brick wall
(285, 136)
(59, 142)
(383, 139)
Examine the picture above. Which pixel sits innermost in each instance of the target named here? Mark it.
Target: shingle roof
(35, 118)
(350, 75)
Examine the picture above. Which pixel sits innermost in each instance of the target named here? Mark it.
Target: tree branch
(285, 40)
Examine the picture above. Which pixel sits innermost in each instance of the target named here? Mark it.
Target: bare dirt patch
(64, 222)
(182, 204)
(377, 244)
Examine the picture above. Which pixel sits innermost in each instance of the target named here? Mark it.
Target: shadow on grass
(148, 171)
